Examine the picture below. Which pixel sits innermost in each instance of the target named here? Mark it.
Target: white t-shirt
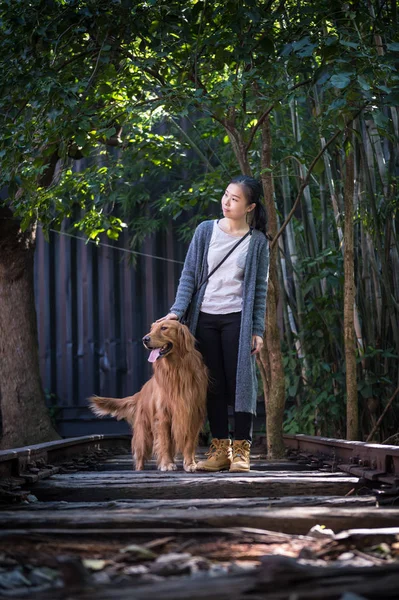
(223, 293)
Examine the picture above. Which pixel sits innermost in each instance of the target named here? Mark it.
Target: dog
(168, 412)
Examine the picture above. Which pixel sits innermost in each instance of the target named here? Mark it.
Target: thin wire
(76, 237)
(179, 262)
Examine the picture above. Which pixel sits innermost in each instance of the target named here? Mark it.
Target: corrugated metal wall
(93, 308)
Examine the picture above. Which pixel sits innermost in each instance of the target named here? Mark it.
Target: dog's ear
(187, 338)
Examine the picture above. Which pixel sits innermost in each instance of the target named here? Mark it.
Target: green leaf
(392, 99)
(319, 167)
(331, 40)
(26, 221)
(384, 88)
(304, 47)
(366, 391)
(337, 104)
(348, 44)
(340, 81)
(286, 51)
(380, 119)
(109, 132)
(112, 234)
(322, 76)
(363, 83)
(81, 138)
(267, 45)
(394, 46)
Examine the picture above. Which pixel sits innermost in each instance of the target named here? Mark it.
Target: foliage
(317, 385)
(74, 73)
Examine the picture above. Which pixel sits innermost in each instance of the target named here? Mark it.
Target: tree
(53, 109)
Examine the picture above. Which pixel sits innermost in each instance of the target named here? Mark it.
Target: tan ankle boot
(219, 456)
(240, 462)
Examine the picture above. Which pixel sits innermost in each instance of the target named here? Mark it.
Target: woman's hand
(257, 344)
(170, 316)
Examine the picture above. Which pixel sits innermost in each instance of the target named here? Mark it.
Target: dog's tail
(121, 408)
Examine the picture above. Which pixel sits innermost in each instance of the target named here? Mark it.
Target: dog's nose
(146, 339)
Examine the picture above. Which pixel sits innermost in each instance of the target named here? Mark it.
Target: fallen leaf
(138, 551)
(94, 564)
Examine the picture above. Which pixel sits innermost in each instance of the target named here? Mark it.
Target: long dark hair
(253, 193)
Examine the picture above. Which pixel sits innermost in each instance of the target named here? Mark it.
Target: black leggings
(218, 339)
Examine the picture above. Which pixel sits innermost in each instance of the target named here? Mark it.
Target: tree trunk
(25, 419)
(237, 141)
(352, 417)
(270, 356)
(240, 150)
(270, 360)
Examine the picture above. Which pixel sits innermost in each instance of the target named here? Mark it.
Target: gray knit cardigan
(253, 309)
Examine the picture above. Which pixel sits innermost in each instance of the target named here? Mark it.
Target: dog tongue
(154, 355)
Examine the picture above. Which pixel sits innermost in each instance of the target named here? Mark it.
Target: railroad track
(77, 523)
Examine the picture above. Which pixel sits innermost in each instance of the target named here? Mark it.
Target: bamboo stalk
(293, 252)
(384, 267)
(352, 410)
(307, 208)
(306, 180)
(282, 277)
(325, 242)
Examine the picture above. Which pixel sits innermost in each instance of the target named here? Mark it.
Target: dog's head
(167, 338)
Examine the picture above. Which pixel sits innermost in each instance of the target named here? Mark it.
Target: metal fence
(93, 308)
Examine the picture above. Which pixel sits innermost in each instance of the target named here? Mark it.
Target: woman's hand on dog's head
(170, 316)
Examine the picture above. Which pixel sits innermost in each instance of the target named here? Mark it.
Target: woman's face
(234, 202)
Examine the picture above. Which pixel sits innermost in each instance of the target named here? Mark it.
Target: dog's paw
(190, 467)
(168, 467)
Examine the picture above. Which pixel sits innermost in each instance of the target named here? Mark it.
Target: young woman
(227, 315)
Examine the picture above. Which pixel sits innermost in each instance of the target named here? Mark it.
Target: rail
(374, 462)
(38, 461)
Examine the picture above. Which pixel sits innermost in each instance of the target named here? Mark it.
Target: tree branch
(268, 111)
(154, 74)
(76, 57)
(376, 426)
(95, 67)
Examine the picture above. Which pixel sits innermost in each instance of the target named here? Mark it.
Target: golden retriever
(168, 412)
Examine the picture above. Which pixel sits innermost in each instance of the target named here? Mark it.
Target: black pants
(218, 338)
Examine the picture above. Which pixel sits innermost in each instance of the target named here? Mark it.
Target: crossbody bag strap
(223, 260)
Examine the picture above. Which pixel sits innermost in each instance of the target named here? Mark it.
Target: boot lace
(215, 449)
(240, 452)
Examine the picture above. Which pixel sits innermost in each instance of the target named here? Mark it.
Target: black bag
(185, 318)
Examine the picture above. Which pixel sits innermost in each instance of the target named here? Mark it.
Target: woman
(227, 315)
